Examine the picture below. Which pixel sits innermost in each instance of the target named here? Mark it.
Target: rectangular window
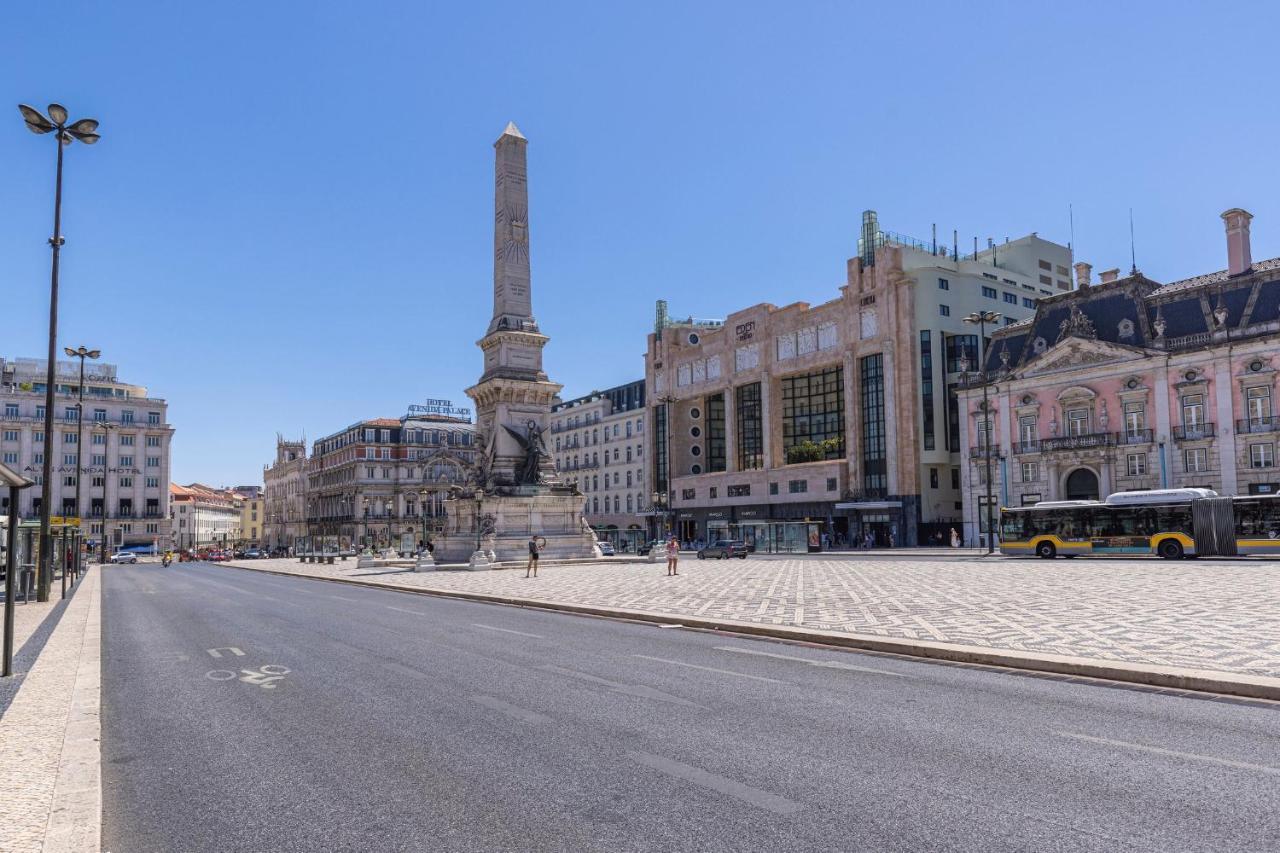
(953, 418)
(126, 482)
(69, 481)
(70, 459)
(1027, 302)
(153, 461)
(99, 438)
(100, 416)
(11, 410)
(1028, 430)
(1044, 279)
(153, 482)
(69, 438)
(126, 416)
(962, 353)
(11, 435)
(712, 492)
(688, 494)
(743, 491)
(10, 458)
(1196, 460)
(98, 459)
(70, 413)
(990, 292)
(795, 487)
(773, 488)
(153, 441)
(715, 433)
(1261, 455)
(1045, 265)
(126, 440)
(813, 416)
(1135, 419)
(1192, 411)
(126, 462)
(943, 284)
(1011, 298)
(955, 478)
(1077, 422)
(833, 483)
(933, 478)
(153, 417)
(944, 310)
(1136, 464)
(926, 390)
(1030, 472)
(874, 460)
(750, 427)
(1258, 401)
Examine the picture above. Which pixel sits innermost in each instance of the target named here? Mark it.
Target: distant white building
(121, 455)
(203, 516)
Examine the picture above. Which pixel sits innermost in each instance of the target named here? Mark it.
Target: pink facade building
(1131, 384)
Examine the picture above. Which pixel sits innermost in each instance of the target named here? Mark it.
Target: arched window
(629, 504)
(616, 504)
(595, 505)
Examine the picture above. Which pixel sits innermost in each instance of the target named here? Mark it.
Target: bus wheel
(1170, 549)
(1046, 551)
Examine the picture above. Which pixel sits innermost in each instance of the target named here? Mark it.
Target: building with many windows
(598, 444)
(285, 495)
(797, 425)
(382, 482)
(118, 449)
(204, 516)
(1132, 384)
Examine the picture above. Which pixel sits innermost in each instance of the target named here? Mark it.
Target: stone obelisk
(517, 493)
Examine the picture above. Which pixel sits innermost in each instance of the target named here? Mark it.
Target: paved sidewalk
(1216, 616)
(50, 793)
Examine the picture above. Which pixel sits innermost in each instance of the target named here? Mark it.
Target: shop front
(876, 524)
(767, 529)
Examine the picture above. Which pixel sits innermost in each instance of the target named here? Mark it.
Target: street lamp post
(83, 130)
(106, 444)
(981, 319)
(81, 354)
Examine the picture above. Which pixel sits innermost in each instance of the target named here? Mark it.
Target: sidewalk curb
(1210, 681)
(75, 819)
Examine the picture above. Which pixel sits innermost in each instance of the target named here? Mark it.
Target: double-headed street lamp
(81, 354)
(83, 130)
(981, 319)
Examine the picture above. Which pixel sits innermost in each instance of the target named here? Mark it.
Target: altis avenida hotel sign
(440, 407)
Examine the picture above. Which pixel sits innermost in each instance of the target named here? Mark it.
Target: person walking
(673, 555)
(534, 548)
(955, 538)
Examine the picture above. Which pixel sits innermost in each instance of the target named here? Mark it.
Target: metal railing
(1022, 447)
(984, 450)
(1258, 424)
(1134, 436)
(1078, 442)
(1192, 432)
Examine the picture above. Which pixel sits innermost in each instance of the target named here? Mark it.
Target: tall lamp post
(83, 130)
(106, 444)
(81, 354)
(981, 319)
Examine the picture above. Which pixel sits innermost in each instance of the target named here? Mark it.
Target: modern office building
(797, 425)
(1132, 384)
(598, 444)
(124, 467)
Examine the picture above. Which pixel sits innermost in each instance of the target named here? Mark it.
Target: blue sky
(287, 224)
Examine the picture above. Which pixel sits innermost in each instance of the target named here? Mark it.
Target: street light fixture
(80, 353)
(83, 130)
(981, 319)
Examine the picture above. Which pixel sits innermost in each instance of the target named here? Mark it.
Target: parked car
(644, 548)
(253, 554)
(124, 557)
(606, 549)
(723, 549)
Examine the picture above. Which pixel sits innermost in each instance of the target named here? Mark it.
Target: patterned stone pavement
(1202, 614)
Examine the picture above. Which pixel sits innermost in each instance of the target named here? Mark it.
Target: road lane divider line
(637, 690)
(506, 631)
(343, 598)
(720, 784)
(1172, 753)
(821, 664)
(522, 714)
(711, 669)
(404, 610)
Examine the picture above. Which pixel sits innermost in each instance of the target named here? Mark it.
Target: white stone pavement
(50, 779)
(1219, 616)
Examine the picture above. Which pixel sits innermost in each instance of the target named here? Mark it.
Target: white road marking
(262, 678)
(522, 714)
(404, 610)
(821, 664)
(698, 776)
(1172, 753)
(219, 675)
(343, 598)
(217, 653)
(710, 669)
(627, 689)
(505, 630)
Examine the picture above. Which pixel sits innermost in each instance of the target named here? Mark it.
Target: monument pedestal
(555, 517)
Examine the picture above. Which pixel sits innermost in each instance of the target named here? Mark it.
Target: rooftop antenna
(935, 238)
(955, 244)
(1133, 255)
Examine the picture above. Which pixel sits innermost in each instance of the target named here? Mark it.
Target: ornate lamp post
(83, 130)
(981, 319)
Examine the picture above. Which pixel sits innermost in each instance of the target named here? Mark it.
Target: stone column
(891, 425)
(1223, 392)
(730, 431)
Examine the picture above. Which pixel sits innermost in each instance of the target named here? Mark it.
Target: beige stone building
(802, 426)
(598, 443)
(284, 502)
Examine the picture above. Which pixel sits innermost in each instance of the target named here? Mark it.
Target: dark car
(606, 549)
(723, 549)
(253, 554)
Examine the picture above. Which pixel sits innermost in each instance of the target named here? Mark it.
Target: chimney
(1239, 261)
(1108, 275)
(1083, 271)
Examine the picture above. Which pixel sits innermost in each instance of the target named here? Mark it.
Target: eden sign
(440, 407)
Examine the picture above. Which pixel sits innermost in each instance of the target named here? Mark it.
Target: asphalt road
(330, 717)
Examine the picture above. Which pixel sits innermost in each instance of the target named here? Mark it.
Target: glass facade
(715, 433)
(749, 422)
(874, 465)
(813, 414)
(661, 485)
(962, 346)
(926, 389)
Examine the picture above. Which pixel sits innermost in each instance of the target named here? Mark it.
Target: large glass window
(1077, 422)
(953, 419)
(961, 347)
(749, 423)
(660, 450)
(926, 389)
(1259, 403)
(1192, 411)
(1135, 418)
(874, 466)
(1028, 431)
(715, 433)
(813, 415)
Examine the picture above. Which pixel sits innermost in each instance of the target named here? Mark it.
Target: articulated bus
(1170, 523)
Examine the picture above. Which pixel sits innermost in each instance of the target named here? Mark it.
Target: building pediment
(1074, 352)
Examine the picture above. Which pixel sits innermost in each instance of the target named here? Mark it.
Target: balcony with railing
(1248, 426)
(1135, 436)
(1078, 442)
(1193, 432)
(984, 450)
(1023, 447)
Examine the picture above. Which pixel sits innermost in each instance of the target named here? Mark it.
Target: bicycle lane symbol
(266, 676)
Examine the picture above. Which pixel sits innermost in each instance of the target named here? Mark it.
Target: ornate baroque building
(285, 503)
(1132, 384)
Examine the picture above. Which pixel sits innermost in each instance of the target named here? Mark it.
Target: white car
(124, 557)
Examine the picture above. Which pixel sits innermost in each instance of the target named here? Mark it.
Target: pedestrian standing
(534, 548)
(673, 555)
(955, 538)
